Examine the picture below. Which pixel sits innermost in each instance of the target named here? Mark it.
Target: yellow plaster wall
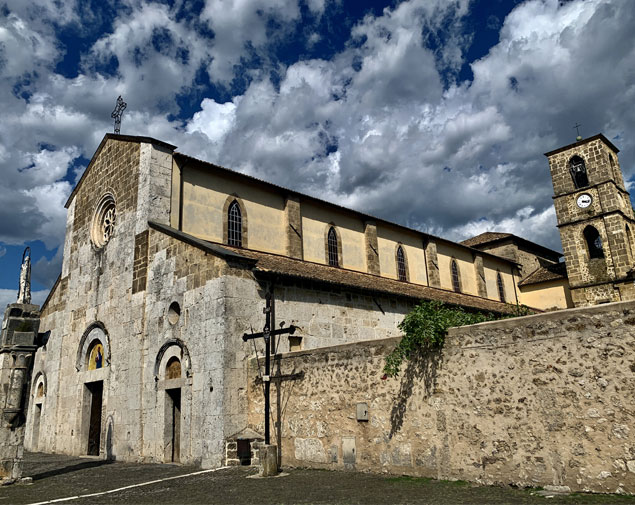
(491, 266)
(547, 295)
(412, 244)
(464, 261)
(315, 219)
(204, 195)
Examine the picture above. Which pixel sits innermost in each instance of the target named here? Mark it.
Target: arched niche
(94, 335)
(39, 386)
(173, 348)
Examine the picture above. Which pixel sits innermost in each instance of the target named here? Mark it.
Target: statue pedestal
(18, 343)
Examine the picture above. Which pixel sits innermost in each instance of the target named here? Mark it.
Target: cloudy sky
(431, 113)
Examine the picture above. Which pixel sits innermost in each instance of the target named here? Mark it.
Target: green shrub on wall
(426, 326)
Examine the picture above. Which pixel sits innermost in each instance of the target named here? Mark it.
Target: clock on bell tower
(596, 221)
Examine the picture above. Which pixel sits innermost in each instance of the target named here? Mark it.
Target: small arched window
(234, 225)
(578, 172)
(173, 368)
(456, 281)
(401, 265)
(501, 287)
(332, 248)
(593, 242)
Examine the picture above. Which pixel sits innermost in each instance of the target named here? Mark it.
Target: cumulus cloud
(378, 127)
(383, 125)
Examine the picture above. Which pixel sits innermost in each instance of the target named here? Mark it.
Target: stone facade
(594, 279)
(534, 401)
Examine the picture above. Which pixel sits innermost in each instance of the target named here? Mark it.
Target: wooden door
(94, 429)
(174, 398)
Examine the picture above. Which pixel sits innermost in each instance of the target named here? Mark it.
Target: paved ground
(56, 477)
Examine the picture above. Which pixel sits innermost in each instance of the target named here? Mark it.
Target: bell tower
(596, 221)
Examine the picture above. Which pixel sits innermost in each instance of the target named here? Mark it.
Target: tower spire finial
(577, 129)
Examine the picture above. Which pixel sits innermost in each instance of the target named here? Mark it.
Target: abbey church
(168, 260)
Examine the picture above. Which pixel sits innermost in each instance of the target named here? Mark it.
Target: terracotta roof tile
(484, 238)
(544, 274)
(273, 264)
(282, 265)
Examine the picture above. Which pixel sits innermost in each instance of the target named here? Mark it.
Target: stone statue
(24, 293)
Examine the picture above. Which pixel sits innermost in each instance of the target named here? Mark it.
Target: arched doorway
(93, 358)
(173, 411)
(173, 378)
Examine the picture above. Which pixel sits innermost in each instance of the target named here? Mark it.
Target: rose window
(103, 225)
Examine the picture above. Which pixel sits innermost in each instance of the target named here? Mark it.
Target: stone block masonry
(533, 401)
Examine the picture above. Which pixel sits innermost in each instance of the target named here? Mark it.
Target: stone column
(293, 224)
(372, 247)
(17, 348)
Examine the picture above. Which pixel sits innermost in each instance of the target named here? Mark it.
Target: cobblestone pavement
(56, 477)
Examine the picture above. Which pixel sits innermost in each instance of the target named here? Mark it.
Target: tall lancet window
(501, 287)
(456, 281)
(401, 265)
(332, 246)
(593, 242)
(234, 225)
(578, 172)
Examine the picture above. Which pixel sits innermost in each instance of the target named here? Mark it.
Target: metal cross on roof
(118, 112)
(577, 129)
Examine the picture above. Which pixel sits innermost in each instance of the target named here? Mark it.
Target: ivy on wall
(426, 326)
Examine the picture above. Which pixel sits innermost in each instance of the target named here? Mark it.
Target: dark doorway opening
(244, 451)
(37, 414)
(96, 391)
(173, 424)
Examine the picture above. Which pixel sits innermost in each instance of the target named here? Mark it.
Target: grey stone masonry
(433, 264)
(372, 248)
(480, 276)
(293, 222)
(543, 400)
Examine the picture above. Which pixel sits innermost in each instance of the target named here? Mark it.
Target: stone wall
(542, 400)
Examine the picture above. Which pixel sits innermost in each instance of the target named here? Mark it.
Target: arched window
(401, 265)
(173, 368)
(332, 247)
(456, 281)
(501, 287)
(578, 172)
(593, 242)
(234, 225)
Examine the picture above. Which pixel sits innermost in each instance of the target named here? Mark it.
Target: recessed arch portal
(95, 341)
(172, 348)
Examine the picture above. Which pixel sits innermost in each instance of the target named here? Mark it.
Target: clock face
(584, 200)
